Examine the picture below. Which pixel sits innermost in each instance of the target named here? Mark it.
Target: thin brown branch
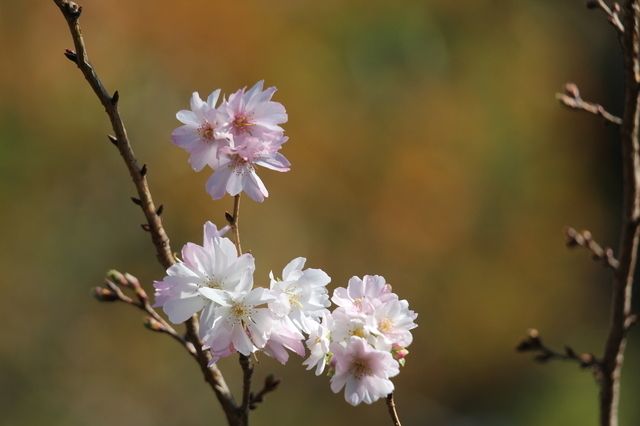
(113, 292)
(621, 315)
(270, 384)
(234, 221)
(543, 354)
(393, 413)
(71, 12)
(612, 13)
(247, 373)
(571, 99)
(585, 239)
(245, 361)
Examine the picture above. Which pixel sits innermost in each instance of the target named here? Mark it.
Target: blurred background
(426, 146)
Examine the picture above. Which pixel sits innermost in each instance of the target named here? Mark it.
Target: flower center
(294, 300)
(212, 282)
(241, 124)
(359, 332)
(360, 368)
(206, 132)
(240, 311)
(386, 325)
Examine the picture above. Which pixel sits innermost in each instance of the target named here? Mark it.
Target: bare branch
(113, 292)
(584, 239)
(621, 315)
(543, 354)
(270, 384)
(571, 99)
(612, 13)
(71, 12)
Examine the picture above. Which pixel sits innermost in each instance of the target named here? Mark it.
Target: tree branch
(628, 251)
(112, 292)
(543, 354)
(245, 362)
(611, 12)
(393, 413)
(571, 99)
(584, 239)
(71, 12)
(270, 384)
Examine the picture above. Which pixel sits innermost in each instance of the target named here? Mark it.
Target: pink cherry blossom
(240, 325)
(364, 295)
(284, 337)
(394, 320)
(236, 171)
(253, 113)
(202, 134)
(363, 371)
(216, 264)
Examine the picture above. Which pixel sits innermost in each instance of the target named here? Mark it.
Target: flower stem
(235, 221)
(391, 405)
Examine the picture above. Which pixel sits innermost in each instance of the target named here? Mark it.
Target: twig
(584, 239)
(113, 292)
(270, 384)
(393, 413)
(613, 357)
(234, 221)
(245, 361)
(543, 354)
(71, 12)
(571, 99)
(613, 13)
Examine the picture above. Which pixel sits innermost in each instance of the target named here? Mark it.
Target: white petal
(215, 295)
(179, 310)
(295, 265)
(254, 187)
(213, 98)
(217, 183)
(188, 117)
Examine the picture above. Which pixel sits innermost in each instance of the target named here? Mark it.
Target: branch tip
(229, 217)
(585, 239)
(115, 98)
(571, 99)
(143, 170)
(160, 210)
(103, 294)
(113, 140)
(136, 201)
(71, 55)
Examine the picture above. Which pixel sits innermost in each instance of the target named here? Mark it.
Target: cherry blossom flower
(318, 343)
(216, 264)
(301, 295)
(363, 295)
(239, 324)
(284, 336)
(253, 113)
(202, 134)
(348, 323)
(236, 172)
(394, 320)
(363, 371)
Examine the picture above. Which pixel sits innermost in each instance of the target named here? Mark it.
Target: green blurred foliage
(426, 146)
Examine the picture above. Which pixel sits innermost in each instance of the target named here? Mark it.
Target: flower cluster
(361, 343)
(363, 340)
(234, 137)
